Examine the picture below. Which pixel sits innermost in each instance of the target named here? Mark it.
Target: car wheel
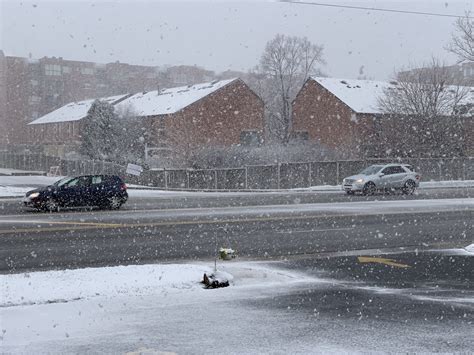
(350, 192)
(369, 188)
(115, 202)
(409, 187)
(51, 205)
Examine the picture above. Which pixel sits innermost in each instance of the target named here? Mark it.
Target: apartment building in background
(31, 88)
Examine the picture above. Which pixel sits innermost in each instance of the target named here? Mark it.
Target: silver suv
(383, 177)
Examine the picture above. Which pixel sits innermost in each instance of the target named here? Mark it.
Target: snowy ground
(162, 308)
(17, 186)
(10, 172)
(159, 307)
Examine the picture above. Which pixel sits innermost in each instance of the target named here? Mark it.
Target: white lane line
(315, 230)
(21, 221)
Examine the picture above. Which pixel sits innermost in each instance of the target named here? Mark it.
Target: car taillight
(123, 187)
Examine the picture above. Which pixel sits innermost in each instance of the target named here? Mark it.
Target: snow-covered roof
(167, 101)
(74, 111)
(360, 95)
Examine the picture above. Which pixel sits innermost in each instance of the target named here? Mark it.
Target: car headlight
(359, 181)
(34, 195)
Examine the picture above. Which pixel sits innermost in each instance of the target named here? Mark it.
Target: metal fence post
(463, 160)
(246, 177)
(278, 176)
(337, 172)
(166, 179)
(215, 179)
(310, 173)
(440, 172)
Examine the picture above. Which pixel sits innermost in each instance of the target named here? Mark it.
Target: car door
(386, 178)
(399, 174)
(78, 191)
(97, 190)
(67, 195)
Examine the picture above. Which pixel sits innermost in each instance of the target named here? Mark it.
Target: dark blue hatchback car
(103, 191)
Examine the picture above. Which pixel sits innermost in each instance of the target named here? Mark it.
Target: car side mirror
(381, 174)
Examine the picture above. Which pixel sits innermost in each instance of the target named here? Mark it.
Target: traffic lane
(82, 246)
(116, 219)
(428, 306)
(436, 269)
(209, 200)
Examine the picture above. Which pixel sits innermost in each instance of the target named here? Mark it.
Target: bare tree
(431, 91)
(285, 65)
(423, 111)
(462, 42)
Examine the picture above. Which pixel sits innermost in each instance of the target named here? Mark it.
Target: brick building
(344, 114)
(30, 88)
(220, 113)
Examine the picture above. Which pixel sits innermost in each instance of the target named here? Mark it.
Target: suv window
(83, 181)
(398, 170)
(387, 171)
(72, 182)
(97, 179)
(393, 170)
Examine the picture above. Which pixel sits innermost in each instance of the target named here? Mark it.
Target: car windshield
(62, 182)
(371, 170)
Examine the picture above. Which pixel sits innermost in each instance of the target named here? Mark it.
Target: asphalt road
(34, 241)
(415, 301)
(226, 199)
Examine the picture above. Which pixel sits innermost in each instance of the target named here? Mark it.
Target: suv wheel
(409, 187)
(51, 205)
(369, 188)
(115, 202)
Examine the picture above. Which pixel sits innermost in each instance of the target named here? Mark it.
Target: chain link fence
(254, 177)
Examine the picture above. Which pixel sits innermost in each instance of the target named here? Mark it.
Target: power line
(374, 9)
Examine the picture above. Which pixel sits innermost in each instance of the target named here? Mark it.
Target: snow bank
(134, 280)
(17, 186)
(32, 180)
(12, 191)
(10, 172)
(470, 248)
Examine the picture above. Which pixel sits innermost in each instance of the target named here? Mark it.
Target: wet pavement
(421, 300)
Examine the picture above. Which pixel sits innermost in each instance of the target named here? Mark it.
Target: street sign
(133, 169)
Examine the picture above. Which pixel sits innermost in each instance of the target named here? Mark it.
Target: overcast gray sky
(221, 35)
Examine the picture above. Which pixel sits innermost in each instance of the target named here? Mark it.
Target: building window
(66, 70)
(52, 69)
(301, 136)
(87, 71)
(33, 100)
(34, 83)
(249, 138)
